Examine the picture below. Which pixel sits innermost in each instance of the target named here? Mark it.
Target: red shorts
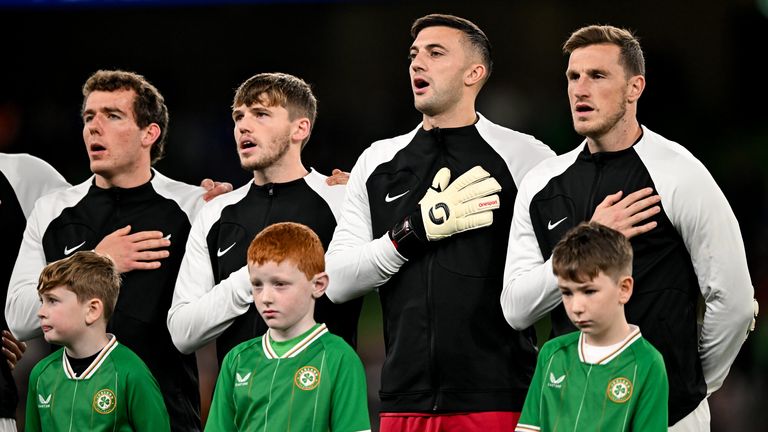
(488, 421)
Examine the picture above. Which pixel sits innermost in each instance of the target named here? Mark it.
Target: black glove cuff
(409, 236)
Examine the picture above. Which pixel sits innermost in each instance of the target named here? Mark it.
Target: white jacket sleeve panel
(22, 302)
(201, 310)
(530, 287)
(333, 195)
(31, 178)
(701, 214)
(355, 262)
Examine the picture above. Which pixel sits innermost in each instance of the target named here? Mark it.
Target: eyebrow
(107, 110)
(429, 47)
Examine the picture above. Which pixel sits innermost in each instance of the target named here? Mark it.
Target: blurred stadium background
(706, 89)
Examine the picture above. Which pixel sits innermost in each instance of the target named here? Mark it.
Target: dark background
(706, 89)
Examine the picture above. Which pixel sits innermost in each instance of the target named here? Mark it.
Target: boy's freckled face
(62, 316)
(283, 296)
(594, 306)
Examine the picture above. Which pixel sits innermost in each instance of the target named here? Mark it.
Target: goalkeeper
(426, 221)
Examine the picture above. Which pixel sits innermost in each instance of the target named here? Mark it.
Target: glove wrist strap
(407, 236)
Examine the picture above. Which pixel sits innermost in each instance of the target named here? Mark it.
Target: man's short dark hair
(476, 37)
(148, 105)
(631, 55)
(591, 248)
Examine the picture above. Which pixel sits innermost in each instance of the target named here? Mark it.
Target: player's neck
(463, 114)
(282, 171)
(91, 342)
(620, 137)
(127, 180)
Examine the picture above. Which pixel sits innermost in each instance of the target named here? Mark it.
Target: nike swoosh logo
(390, 199)
(68, 251)
(220, 252)
(551, 226)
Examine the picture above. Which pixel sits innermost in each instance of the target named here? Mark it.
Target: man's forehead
(603, 54)
(437, 35)
(98, 99)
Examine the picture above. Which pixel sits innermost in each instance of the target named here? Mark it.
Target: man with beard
(273, 114)
(686, 240)
(431, 245)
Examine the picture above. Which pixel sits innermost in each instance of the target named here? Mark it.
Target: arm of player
(530, 287)
(704, 219)
(349, 404)
(652, 410)
(201, 310)
(356, 263)
(146, 408)
(22, 302)
(221, 417)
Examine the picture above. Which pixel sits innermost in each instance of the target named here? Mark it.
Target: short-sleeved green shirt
(318, 385)
(117, 392)
(625, 391)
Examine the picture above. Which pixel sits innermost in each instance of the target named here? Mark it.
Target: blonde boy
(93, 383)
(298, 376)
(606, 376)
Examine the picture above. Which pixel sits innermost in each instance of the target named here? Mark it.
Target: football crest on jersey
(619, 390)
(307, 378)
(104, 401)
(242, 379)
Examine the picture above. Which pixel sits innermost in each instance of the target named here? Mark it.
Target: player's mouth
(96, 149)
(420, 85)
(583, 108)
(269, 313)
(246, 144)
(583, 323)
(46, 328)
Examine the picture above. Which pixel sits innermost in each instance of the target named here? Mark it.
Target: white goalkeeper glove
(465, 204)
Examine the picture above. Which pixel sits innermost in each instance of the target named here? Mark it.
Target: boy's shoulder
(51, 360)
(124, 357)
(336, 344)
(645, 351)
(247, 346)
(559, 343)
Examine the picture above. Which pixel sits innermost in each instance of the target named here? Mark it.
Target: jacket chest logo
(555, 382)
(44, 402)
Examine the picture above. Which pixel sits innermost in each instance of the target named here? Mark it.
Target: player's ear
(301, 129)
(94, 310)
(626, 285)
(475, 74)
(635, 87)
(319, 284)
(150, 134)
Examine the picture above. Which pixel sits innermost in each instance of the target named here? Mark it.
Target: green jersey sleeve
(33, 416)
(530, 418)
(146, 408)
(349, 401)
(652, 410)
(221, 416)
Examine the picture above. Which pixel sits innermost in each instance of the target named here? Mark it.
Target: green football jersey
(316, 386)
(115, 393)
(627, 390)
